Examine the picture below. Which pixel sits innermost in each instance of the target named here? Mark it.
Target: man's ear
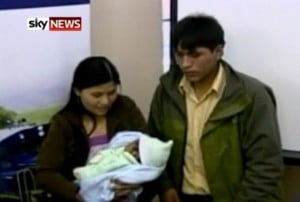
(219, 50)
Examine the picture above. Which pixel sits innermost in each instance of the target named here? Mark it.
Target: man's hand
(170, 195)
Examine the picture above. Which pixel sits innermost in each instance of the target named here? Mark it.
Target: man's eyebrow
(191, 51)
(183, 50)
(187, 50)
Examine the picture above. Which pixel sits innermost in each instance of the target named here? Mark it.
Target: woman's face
(98, 99)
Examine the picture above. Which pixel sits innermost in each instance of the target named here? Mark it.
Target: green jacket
(67, 147)
(240, 143)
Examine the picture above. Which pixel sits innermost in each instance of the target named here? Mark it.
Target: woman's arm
(136, 119)
(129, 116)
(51, 159)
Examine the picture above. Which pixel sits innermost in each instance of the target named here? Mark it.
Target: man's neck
(202, 87)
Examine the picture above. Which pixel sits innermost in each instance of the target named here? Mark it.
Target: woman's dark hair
(90, 72)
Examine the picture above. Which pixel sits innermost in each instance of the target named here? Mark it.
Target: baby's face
(133, 148)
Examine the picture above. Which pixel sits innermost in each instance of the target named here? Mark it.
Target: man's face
(199, 63)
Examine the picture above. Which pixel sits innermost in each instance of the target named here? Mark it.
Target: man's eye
(179, 55)
(96, 95)
(195, 54)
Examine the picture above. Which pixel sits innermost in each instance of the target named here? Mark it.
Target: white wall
(36, 67)
(262, 39)
(130, 34)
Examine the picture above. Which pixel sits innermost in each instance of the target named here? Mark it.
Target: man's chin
(101, 112)
(193, 79)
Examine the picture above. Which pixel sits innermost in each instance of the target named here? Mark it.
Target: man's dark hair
(197, 31)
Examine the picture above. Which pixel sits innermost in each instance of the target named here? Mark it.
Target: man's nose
(186, 61)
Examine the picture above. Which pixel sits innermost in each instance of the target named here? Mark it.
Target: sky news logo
(54, 24)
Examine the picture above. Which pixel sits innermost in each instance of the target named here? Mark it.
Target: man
(223, 123)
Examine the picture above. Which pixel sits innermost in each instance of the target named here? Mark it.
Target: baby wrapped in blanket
(116, 162)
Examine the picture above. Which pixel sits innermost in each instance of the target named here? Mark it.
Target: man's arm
(260, 140)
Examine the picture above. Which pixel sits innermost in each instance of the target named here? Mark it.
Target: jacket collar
(233, 100)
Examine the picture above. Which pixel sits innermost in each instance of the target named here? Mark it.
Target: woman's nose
(104, 100)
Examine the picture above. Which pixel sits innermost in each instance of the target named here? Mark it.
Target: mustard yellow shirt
(198, 112)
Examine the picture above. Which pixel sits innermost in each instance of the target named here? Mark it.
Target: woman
(94, 113)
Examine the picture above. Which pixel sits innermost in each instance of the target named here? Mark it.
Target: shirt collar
(217, 85)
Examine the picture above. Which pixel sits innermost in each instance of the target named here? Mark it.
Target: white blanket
(153, 154)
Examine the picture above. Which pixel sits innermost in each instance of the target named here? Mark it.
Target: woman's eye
(112, 92)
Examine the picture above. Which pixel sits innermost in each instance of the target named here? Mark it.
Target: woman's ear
(77, 92)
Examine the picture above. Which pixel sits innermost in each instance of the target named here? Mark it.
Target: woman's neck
(95, 126)
(100, 118)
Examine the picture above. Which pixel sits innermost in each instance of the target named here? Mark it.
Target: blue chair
(18, 155)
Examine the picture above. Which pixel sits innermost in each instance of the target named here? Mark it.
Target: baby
(140, 150)
(108, 160)
(131, 157)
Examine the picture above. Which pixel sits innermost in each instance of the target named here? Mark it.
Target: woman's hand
(122, 190)
(133, 149)
(169, 195)
(79, 198)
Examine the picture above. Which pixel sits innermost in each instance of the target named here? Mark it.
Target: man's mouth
(190, 73)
